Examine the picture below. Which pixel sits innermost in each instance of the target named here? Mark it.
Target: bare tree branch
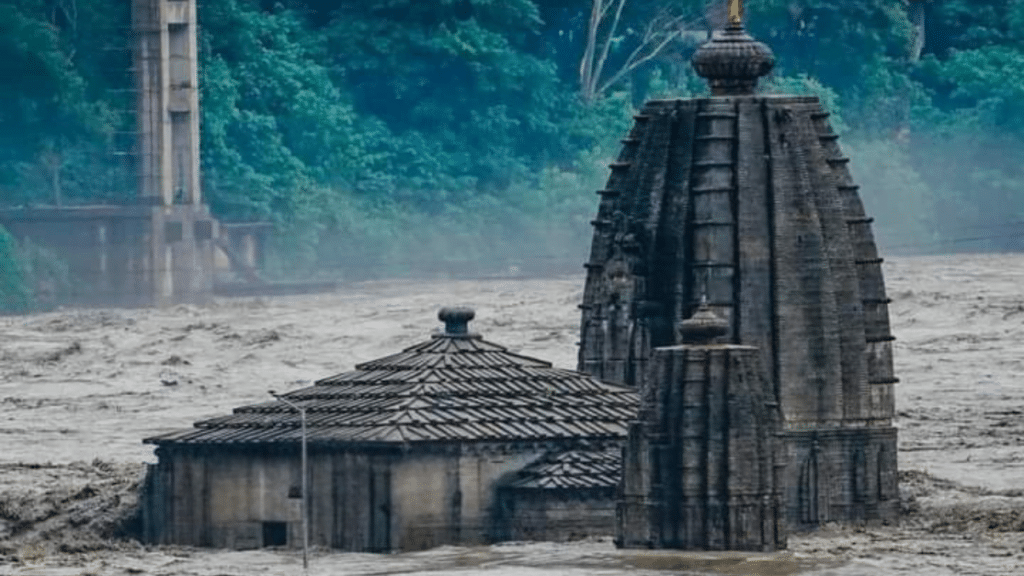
(917, 18)
(597, 11)
(592, 89)
(658, 34)
(602, 32)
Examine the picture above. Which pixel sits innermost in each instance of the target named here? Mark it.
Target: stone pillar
(167, 81)
(179, 267)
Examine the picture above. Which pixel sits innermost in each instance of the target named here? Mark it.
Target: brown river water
(79, 389)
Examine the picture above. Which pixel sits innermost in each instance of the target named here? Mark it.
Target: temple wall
(841, 475)
(359, 501)
(462, 507)
(558, 515)
(248, 499)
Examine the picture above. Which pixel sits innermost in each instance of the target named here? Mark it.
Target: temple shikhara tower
(702, 462)
(745, 202)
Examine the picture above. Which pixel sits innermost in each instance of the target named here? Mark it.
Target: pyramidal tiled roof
(574, 469)
(454, 387)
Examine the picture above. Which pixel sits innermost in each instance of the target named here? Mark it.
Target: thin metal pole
(305, 484)
(305, 498)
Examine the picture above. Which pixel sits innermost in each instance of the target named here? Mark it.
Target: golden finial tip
(736, 12)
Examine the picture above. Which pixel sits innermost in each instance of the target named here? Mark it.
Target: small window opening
(275, 534)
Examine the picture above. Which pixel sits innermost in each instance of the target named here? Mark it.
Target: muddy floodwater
(79, 389)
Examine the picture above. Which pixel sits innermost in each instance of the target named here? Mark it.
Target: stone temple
(702, 462)
(745, 201)
(454, 440)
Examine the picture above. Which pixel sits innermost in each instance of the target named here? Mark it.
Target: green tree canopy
(14, 291)
(345, 119)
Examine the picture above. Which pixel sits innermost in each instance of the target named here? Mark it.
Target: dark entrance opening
(380, 511)
(275, 534)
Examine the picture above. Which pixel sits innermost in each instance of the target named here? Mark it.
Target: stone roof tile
(573, 469)
(453, 387)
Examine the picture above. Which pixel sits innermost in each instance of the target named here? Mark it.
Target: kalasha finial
(456, 320)
(703, 327)
(732, 61)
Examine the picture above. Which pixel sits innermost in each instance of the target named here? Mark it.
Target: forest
(393, 137)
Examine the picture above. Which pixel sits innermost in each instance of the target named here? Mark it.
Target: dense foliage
(389, 135)
(14, 288)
